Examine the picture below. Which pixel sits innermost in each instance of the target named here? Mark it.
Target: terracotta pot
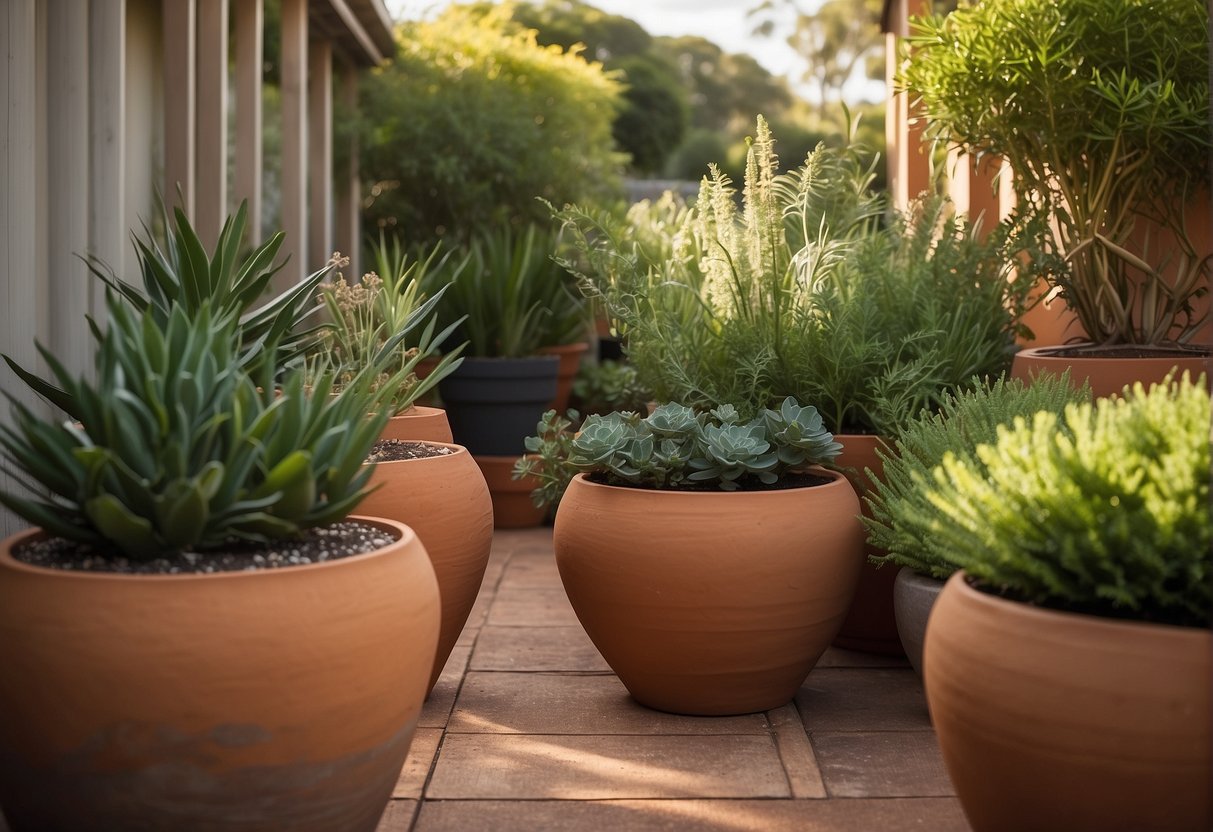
(1057, 721)
(262, 700)
(914, 596)
(570, 362)
(870, 625)
(710, 603)
(512, 505)
(1108, 376)
(444, 499)
(419, 424)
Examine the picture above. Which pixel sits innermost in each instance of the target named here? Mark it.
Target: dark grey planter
(494, 404)
(913, 597)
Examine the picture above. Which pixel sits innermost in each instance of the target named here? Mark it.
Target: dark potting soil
(395, 450)
(339, 540)
(1129, 352)
(784, 483)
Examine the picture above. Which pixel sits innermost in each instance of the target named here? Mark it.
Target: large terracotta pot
(1108, 376)
(444, 499)
(512, 504)
(870, 625)
(262, 700)
(570, 362)
(1057, 721)
(710, 602)
(419, 424)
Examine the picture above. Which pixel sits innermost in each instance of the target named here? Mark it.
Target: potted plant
(810, 290)
(1101, 107)
(1069, 664)
(901, 520)
(420, 479)
(180, 633)
(707, 557)
(517, 302)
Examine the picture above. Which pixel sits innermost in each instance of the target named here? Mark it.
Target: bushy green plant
(1102, 510)
(806, 290)
(365, 315)
(472, 120)
(1102, 109)
(903, 515)
(181, 275)
(675, 447)
(178, 447)
(511, 296)
(607, 386)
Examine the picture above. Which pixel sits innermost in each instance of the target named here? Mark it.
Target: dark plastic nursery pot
(493, 404)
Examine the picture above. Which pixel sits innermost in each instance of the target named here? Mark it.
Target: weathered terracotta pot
(1108, 376)
(419, 424)
(1057, 721)
(263, 700)
(570, 362)
(913, 597)
(710, 602)
(444, 499)
(512, 505)
(870, 625)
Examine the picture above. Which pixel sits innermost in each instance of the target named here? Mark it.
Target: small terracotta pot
(1057, 721)
(870, 625)
(570, 362)
(914, 596)
(512, 504)
(710, 603)
(419, 424)
(270, 699)
(1108, 376)
(444, 499)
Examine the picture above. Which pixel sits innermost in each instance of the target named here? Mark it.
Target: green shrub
(607, 386)
(903, 516)
(807, 291)
(177, 447)
(473, 120)
(1104, 510)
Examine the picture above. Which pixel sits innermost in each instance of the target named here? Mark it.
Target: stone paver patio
(528, 729)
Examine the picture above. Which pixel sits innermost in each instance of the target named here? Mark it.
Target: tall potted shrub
(810, 290)
(707, 557)
(1069, 664)
(902, 519)
(1102, 109)
(179, 634)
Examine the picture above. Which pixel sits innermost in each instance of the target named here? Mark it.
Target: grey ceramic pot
(913, 597)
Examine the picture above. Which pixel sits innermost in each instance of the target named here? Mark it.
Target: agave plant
(181, 275)
(177, 446)
(675, 447)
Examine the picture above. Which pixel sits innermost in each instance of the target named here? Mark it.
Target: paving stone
(882, 764)
(437, 708)
(548, 703)
(509, 541)
(838, 657)
(398, 816)
(870, 699)
(516, 766)
(514, 607)
(796, 753)
(411, 782)
(537, 648)
(924, 814)
(532, 568)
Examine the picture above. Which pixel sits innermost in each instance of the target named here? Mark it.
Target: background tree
(474, 119)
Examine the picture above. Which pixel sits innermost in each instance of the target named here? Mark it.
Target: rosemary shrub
(903, 516)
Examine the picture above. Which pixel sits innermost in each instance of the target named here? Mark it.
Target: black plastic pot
(494, 404)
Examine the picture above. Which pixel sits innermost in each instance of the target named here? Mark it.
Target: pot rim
(1048, 352)
(670, 493)
(460, 450)
(418, 411)
(402, 536)
(997, 605)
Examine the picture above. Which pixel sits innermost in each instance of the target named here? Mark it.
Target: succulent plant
(678, 448)
(177, 446)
